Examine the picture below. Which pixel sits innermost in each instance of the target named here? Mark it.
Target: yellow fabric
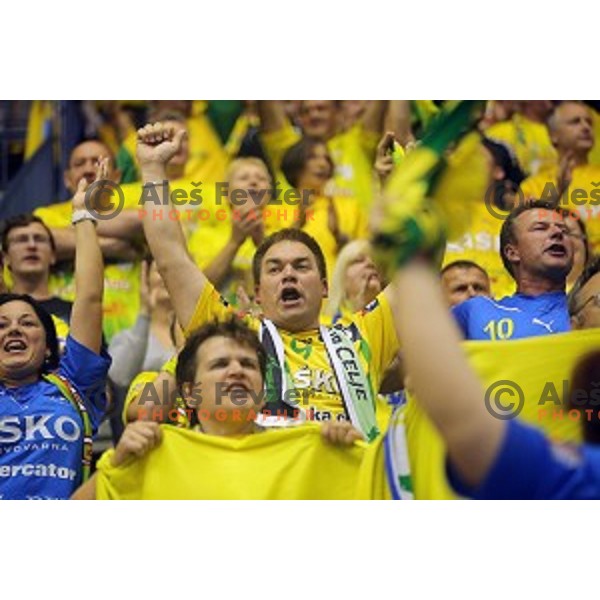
(531, 363)
(481, 244)
(352, 152)
(121, 281)
(530, 141)
(242, 125)
(62, 331)
(40, 114)
(583, 195)
(306, 355)
(435, 196)
(135, 389)
(351, 217)
(285, 464)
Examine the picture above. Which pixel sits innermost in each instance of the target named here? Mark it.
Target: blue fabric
(530, 467)
(41, 432)
(513, 317)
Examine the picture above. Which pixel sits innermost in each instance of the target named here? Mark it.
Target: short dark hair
(288, 235)
(296, 157)
(463, 264)
(591, 269)
(96, 140)
(44, 316)
(507, 232)
(23, 221)
(233, 329)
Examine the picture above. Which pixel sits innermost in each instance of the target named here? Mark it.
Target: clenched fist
(157, 144)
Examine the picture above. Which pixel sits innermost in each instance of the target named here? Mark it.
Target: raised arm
(245, 221)
(184, 280)
(86, 317)
(398, 120)
(272, 115)
(116, 237)
(374, 115)
(445, 384)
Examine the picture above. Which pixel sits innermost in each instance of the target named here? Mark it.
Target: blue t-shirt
(41, 432)
(513, 317)
(530, 467)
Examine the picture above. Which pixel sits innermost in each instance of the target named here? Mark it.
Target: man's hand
(247, 221)
(137, 440)
(340, 433)
(157, 144)
(384, 162)
(80, 200)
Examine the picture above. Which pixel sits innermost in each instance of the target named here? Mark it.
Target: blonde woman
(355, 281)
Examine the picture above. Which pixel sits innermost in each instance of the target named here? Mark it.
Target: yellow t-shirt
(121, 280)
(582, 196)
(481, 244)
(529, 140)
(352, 152)
(306, 356)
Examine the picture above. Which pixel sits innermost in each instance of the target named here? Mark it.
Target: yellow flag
(278, 464)
(536, 369)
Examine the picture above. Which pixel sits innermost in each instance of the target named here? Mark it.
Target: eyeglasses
(594, 298)
(23, 239)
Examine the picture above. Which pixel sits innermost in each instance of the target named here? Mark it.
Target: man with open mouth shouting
(537, 250)
(313, 372)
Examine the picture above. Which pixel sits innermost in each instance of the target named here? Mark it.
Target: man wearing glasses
(29, 252)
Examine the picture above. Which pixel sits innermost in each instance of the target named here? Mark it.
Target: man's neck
(295, 329)
(579, 158)
(532, 285)
(36, 287)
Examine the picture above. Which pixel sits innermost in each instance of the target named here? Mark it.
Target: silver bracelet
(83, 215)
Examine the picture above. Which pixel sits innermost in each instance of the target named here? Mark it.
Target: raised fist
(157, 144)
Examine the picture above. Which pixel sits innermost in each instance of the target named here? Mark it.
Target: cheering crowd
(232, 269)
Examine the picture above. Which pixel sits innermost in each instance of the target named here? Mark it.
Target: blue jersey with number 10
(513, 317)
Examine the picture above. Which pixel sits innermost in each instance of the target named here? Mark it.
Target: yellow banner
(533, 372)
(278, 464)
